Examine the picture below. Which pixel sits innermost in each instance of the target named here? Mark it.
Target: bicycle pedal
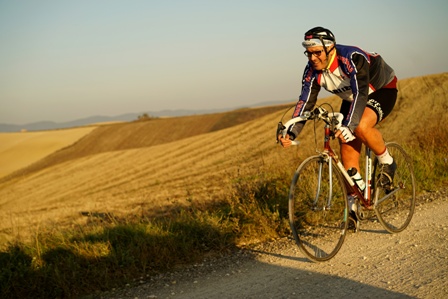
(353, 223)
(389, 189)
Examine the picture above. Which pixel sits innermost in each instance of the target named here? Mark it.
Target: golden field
(18, 150)
(49, 178)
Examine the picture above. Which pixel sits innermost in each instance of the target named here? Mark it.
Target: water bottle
(354, 174)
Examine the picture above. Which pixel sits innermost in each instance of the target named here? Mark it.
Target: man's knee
(362, 130)
(366, 124)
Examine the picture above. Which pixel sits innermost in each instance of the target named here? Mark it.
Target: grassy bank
(110, 252)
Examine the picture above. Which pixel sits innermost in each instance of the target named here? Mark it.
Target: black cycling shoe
(386, 176)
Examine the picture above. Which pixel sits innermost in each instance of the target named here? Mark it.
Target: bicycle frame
(333, 121)
(366, 198)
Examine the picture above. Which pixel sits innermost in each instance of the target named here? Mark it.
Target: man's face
(318, 58)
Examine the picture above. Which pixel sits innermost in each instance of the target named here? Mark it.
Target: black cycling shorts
(381, 102)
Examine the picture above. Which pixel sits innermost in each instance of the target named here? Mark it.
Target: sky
(63, 60)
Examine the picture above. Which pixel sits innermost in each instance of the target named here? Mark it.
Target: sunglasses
(315, 53)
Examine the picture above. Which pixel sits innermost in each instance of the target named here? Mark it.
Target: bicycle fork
(319, 183)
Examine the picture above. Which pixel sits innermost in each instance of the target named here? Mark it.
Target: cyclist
(365, 83)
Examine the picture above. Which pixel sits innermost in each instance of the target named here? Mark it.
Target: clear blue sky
(64, 60)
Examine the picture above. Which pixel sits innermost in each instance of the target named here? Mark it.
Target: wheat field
(18, 150)
(156, 165)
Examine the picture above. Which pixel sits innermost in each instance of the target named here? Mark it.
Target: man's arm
(359, 82)
(307, 99)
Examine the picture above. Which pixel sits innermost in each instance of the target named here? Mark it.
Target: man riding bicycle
(365, 83)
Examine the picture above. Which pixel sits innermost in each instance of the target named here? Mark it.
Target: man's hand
(285, 142)
(345, 135)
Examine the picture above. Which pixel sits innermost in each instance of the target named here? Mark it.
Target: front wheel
(394, 206)
(318, 208)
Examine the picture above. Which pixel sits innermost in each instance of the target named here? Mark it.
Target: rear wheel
(394, 205)
(318, 208)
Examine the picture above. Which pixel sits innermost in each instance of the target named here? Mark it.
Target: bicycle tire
(395, 213)
(319, 229)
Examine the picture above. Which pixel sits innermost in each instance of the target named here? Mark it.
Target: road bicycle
(319, 214)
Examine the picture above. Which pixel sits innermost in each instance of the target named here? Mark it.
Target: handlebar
(333, 119)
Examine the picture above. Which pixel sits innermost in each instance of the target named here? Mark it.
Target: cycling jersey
(352, 74)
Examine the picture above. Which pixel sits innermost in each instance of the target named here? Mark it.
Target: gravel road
(371, 264)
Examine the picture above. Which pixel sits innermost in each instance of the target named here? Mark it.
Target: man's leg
(350, 153)
(370, 136)
(365, 133)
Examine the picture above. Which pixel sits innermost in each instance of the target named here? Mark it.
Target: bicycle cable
(281, 119)
(317, 119)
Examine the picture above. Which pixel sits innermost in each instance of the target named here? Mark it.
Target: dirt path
(371, 264)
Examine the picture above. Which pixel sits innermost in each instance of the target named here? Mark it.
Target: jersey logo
(339, 90)
(298, 108)
(347, 64)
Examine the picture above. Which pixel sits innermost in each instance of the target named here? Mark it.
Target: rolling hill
(61, 145)
(160, 164)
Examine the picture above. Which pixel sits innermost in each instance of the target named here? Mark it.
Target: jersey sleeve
(307, 99)
(359, 83)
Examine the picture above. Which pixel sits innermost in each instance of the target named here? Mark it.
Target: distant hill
(50, 125)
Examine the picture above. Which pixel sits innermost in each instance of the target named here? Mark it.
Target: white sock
(385, 157)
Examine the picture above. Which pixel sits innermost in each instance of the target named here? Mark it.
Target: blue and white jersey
(352, 74)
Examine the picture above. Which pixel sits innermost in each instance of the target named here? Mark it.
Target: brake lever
(280, 128)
